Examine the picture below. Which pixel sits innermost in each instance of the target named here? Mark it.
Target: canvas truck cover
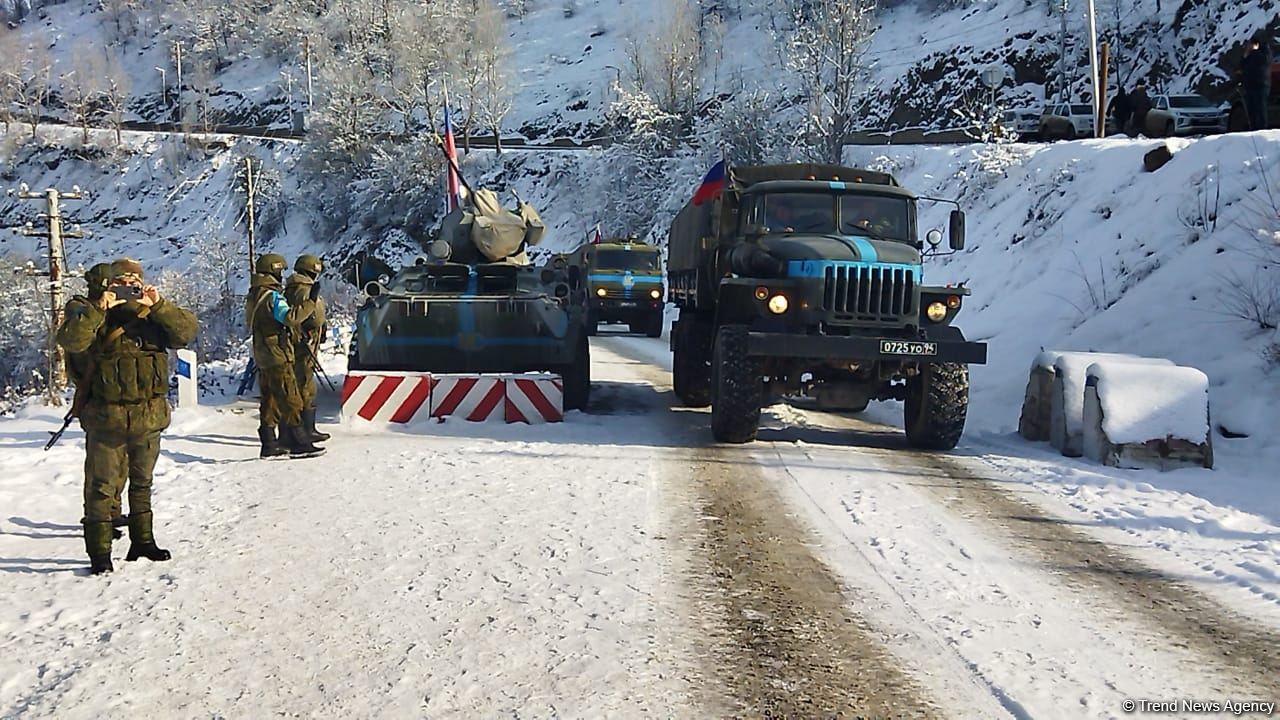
(744, 177)
(484, 231)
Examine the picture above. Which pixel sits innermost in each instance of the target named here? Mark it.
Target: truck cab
(807, 281)
(624, 277)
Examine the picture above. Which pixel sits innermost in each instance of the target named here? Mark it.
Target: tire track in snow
(1245, 656)
(784, 639)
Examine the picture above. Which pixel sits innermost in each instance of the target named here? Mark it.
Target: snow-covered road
(618, 564)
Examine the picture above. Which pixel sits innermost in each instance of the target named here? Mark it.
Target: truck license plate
(903, 347)
(627, 303)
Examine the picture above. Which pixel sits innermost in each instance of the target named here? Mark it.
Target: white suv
(1186, 115)
(1066, 121)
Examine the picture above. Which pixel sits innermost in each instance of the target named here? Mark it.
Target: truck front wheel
(936, 406)
(653, 328)
(737, 388)
(577, 377)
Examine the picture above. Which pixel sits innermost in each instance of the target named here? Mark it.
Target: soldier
(274, 324)
(303, 292)
(119, 343)
(96, 278)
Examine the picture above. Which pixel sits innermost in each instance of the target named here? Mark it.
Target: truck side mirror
(956, 230)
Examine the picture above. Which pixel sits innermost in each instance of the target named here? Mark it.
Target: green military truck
(624, 278)
(805, 281)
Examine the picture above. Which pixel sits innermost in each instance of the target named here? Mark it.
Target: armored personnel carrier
(473, 303)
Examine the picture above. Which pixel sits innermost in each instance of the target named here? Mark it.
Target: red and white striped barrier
(475, 398)
(535, 400)
(385, 397)
(402, 397)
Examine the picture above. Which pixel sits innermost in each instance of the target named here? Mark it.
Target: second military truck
(807, 281)
(625, 278)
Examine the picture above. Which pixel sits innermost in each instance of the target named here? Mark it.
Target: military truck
(625, 285)
(806, 281)
(474, 304)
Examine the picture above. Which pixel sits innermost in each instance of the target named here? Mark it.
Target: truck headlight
(655, 294)
(937, 311)
(601, 292)
(778, 304)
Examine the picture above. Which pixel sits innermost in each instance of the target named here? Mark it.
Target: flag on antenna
(596, 236)
(453, 189)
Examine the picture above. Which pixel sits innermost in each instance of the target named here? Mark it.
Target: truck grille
(870, 294)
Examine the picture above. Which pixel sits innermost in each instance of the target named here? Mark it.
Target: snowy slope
(924, 59)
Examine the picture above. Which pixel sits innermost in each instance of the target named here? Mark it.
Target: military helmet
(271, 264)
(309, 264)
(97, 278)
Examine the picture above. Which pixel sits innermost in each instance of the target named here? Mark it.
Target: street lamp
(164, 85)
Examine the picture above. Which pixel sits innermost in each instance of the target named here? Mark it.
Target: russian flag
(712, 184)
(453, 197)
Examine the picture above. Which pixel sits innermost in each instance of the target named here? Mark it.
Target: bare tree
(827, 45)
(82, 88)
(666, 63)
(115, 93)
(27, 76)
(492, 99)
(9, 84)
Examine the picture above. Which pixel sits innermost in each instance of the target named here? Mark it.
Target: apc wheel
(737, 388)
(577, 378)
(936, 406)
(691, 369)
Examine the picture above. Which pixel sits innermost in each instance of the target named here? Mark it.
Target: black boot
(270, 446)
(309, 425)
(295, 438)
(97, 543)
(142, 543)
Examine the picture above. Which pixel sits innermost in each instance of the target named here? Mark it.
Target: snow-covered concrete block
(1066, 396)
(534, 398)
(1139, 416)
(1036, 418)
(385, 397)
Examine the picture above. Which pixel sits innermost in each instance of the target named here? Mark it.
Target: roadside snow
(476, 570)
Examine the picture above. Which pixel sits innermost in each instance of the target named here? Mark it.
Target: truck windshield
(797, 212)
(879, 215)
(626, 260)
(845, 214)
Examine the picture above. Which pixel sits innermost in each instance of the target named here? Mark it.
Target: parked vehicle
(1022, 123)
(1066, 121)
(1186, 115)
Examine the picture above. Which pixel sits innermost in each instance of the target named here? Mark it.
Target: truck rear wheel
(690, 362)
(577, 377)
(653, 328)
(737, 388)
(936, 406)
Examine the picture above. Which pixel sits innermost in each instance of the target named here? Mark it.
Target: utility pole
(306, 57)
(249, 189)
(1102, 83)
(1062, 52)
(56, 381)
(177, 53)
(1093, 66)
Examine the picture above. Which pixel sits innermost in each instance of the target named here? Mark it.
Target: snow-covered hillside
(923, 60)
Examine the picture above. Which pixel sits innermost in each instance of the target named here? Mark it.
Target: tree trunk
(497, 141)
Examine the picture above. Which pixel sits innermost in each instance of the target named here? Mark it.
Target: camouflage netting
(484, 231)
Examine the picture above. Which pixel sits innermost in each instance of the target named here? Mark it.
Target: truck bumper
(865, 348)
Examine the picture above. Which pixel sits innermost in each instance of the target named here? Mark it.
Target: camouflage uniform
(303, 292)
(121, 357)
(273, 324)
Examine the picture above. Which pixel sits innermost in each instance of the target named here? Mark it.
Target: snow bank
(1148, 403)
